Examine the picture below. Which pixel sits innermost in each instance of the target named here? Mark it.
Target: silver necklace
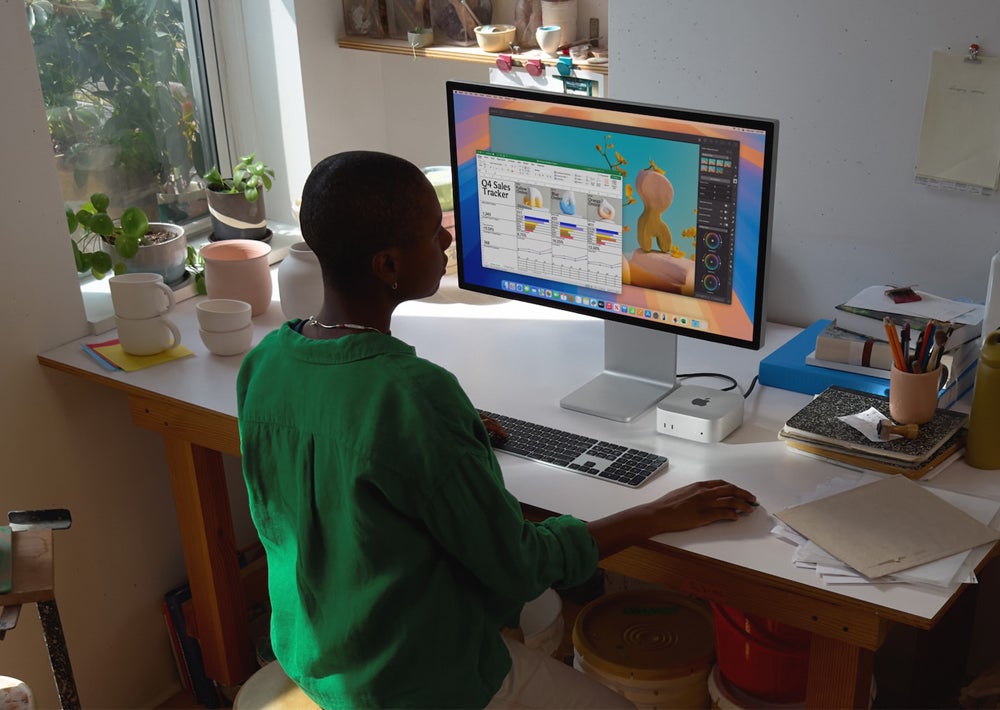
(346, 326)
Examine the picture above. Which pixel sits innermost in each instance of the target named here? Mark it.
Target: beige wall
(70, 443)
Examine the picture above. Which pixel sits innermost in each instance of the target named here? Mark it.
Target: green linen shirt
(394, 552)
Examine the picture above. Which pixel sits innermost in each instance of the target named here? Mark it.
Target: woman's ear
(386, 266)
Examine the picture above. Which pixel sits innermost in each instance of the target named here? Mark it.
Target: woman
(396, 557)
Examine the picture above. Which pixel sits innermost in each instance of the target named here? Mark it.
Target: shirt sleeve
(465, 506)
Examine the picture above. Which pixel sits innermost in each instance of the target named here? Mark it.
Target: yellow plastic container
(654, 647)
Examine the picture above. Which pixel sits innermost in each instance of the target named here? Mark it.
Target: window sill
(463, 54)
(97, 295)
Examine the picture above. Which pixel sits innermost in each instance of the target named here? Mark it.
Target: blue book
(786, 368)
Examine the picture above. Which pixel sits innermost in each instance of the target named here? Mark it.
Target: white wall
(364, 100)
(847, 80)
(70, 443)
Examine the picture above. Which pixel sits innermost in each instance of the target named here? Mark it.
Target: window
(125, 100)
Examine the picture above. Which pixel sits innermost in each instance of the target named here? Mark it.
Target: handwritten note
(959, 140)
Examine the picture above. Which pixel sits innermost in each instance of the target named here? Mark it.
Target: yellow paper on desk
(886, 527)
(130, 363)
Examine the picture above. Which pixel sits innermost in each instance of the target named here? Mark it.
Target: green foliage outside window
(116, 81)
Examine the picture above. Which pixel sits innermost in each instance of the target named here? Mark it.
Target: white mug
(140, 295)
(147, 336)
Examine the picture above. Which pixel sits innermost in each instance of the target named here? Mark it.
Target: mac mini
(699, 413)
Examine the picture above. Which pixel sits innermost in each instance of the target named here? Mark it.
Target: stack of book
(852, 349)
(817, 429)
(840, 349)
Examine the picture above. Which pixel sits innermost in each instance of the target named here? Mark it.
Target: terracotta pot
(238, 269)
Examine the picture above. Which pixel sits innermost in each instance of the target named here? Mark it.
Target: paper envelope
(888, 526)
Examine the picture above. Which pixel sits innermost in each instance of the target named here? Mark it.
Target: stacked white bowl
(225, 325)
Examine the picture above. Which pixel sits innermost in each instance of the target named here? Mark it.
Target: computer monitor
(655, 219)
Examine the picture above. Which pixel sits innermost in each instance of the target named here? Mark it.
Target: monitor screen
(655, 219)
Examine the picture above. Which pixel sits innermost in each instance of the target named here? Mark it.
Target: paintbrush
(940, 340)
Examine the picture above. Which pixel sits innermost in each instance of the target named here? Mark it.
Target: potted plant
(420, 36)
(129, 244)
(236, 204)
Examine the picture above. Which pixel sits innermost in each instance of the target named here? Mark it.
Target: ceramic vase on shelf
(562, 13)
(300, 282)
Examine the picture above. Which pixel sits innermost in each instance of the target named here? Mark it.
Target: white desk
(520, 360)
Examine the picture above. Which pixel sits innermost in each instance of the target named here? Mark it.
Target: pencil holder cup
(913, 396)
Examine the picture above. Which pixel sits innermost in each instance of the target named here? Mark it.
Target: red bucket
(763, 658)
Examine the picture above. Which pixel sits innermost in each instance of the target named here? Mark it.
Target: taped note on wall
(960, 135)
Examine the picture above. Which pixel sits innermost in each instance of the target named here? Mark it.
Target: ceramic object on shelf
(549, 37)
(495, 38)
(300, 282)
(238, 269)
(562, 13)
(147, 336)
(140, 295)
(421, 39)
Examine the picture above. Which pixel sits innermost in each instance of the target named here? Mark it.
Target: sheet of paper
(929, 306)
(887, 526)
(959, 140)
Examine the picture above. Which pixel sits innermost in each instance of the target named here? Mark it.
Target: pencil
(897, 349)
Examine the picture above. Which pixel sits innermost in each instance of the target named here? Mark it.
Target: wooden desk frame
(846, 631)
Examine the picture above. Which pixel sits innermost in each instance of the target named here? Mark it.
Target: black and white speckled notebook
(818, 422)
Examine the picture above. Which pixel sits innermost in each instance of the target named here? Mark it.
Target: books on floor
(818, 429)
(865, 314)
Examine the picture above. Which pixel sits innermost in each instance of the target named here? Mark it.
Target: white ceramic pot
(300, 282)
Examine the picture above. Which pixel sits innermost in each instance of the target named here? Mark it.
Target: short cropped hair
(355, 204)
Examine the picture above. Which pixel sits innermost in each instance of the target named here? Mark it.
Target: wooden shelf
(454, 53)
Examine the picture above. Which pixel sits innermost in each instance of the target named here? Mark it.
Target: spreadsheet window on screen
(641, 215)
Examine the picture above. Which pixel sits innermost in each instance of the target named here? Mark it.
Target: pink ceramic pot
(238, 269)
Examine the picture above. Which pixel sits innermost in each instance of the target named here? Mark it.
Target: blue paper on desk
(786, 368)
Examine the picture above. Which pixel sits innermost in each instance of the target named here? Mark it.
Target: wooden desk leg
(840, 674)
(206, 526)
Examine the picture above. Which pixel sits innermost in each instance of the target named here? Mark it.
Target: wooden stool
(32, 583)
(270, 689)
